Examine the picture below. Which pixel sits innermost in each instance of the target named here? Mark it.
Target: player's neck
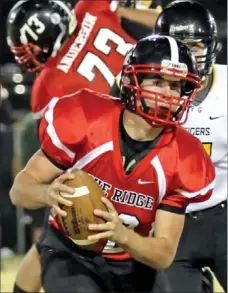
(138, 129)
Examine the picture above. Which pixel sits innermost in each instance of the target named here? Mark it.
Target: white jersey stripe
(38, 115)
(93, 155)
(51, 129)
(174, 49)
(199, 192)
(161, 177)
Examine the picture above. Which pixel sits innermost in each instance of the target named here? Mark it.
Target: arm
(33, 185)
(145, 17)
(42, 180)
(159, 251)
(195, 185)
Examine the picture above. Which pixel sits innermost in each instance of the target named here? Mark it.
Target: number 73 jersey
(91, 58)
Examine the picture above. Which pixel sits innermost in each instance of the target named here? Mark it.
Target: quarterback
(141, 157)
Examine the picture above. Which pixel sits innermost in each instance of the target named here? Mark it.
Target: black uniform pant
(68, 268)
(64, 271)
(203, 243)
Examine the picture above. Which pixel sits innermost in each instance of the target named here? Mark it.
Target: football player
(70, 51)
(204, 239)
(87, 39)
(141, 157)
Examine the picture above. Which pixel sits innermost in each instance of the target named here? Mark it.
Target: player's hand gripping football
(113, 229)
(53, 197)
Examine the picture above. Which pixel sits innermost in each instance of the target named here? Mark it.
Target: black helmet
(37, 29)
(159, 57)
(189, 21)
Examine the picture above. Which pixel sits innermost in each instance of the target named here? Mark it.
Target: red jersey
(176, 172)
(91, 58)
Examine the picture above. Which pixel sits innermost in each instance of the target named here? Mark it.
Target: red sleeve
(46, 86)
(58, 136)
(39, 98)
(92, 6)
(194, 180)
(82, 7)
(49, 84)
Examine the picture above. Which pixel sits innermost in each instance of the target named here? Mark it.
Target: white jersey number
(92, 61)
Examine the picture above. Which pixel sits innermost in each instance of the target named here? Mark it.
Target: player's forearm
(145, 17)
(27, 192)
(157, 253)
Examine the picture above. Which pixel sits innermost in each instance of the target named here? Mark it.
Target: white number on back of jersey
(92, 61)
(105, 35)
(88, 64)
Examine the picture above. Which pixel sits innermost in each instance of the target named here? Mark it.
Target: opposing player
(142, 159)
(204, 239)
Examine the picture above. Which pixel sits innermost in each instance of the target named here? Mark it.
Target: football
(86, 198)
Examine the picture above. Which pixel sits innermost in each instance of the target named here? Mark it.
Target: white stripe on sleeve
(51, 129)
(108, 146)
(161, 177)
(196, 193)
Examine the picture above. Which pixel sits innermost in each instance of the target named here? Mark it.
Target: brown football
(86, 198)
